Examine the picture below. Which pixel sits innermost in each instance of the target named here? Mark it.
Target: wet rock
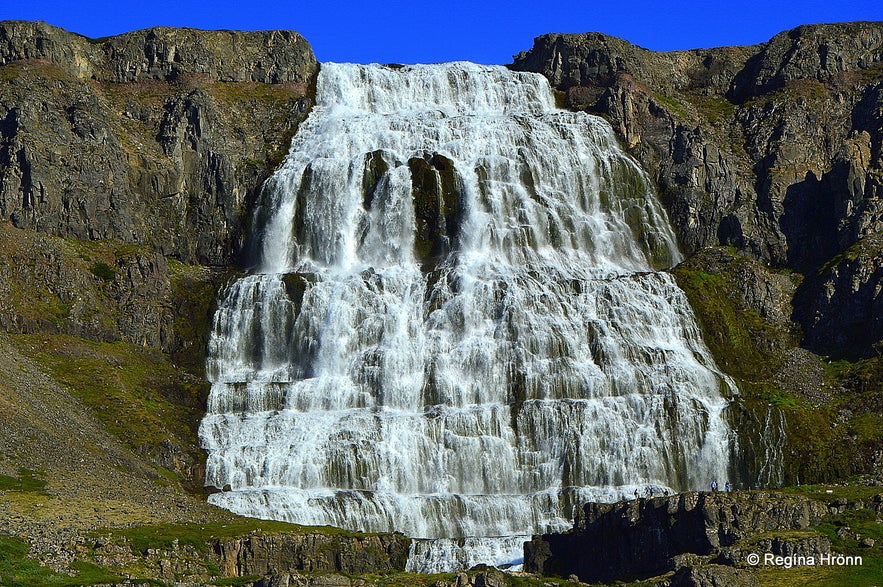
(437, 195)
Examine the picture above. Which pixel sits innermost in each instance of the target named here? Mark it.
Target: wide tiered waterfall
(456, 328)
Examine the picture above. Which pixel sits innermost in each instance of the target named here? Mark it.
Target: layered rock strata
(649, 537)
(159, 137)
(774, 149)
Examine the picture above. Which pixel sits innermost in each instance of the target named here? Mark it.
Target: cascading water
(455, 329)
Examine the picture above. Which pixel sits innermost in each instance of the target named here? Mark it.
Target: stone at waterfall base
(689, 533)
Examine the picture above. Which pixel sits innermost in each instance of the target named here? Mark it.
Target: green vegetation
(144, 93)
(33, 71)
(17, 570)
(240, 92)
(674, 105)
(194, 290)
(134, 392)
(277, 156)
(714, 109)
(560, 99)
(103, 270)
(202, 536)
(734, 334)
(418, 580)
(782, 399)
(807, 88)
(821, 446)
(236, 581)
(821, 492)
(26, 481)
(863, 523)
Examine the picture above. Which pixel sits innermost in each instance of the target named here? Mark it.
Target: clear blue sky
(426, 31)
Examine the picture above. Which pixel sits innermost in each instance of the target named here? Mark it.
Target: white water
(537, 360)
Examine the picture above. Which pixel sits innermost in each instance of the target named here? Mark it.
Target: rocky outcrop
(128, 170)
(733, 170)
(260, 554)
(808, 52)
(712, 576)
(438, 195)
(646, 538)
(269, 57)
(58, 286)
(841, 306)
(774, 149)
(160, 137)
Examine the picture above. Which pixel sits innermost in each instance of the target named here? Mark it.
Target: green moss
(530, 581)
(134, 392)
(809, 89)
(277, 156)
(26, 481)
(713, 109)
(780, 398)
(820, 446)
(18, 570)
(673, 105)
(103, 270)
(821, 492)
(731, 333)
(34, 70)
(867, 427)
(863, 522)
(239, 92)
(560, 99)
(146, 93)
(194, 294)
(817, 448)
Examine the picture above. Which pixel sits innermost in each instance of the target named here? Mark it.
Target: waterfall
(457, 327)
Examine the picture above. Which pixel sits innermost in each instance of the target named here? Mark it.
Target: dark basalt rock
(807, 52)
(841, 307)
(640, 538)
(713, 576)
(159, 137)
(259, 554)
(163, 53)
(437, 195)
(759, 175)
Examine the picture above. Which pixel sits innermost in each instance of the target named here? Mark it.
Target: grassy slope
(832, 428)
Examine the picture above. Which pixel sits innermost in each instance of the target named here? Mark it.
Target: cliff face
(774, 149)
(689, 532)
(160, 137)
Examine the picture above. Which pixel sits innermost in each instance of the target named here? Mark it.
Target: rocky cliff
(710, 537)
(128, 167)
(160, 137)
(774, 149)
